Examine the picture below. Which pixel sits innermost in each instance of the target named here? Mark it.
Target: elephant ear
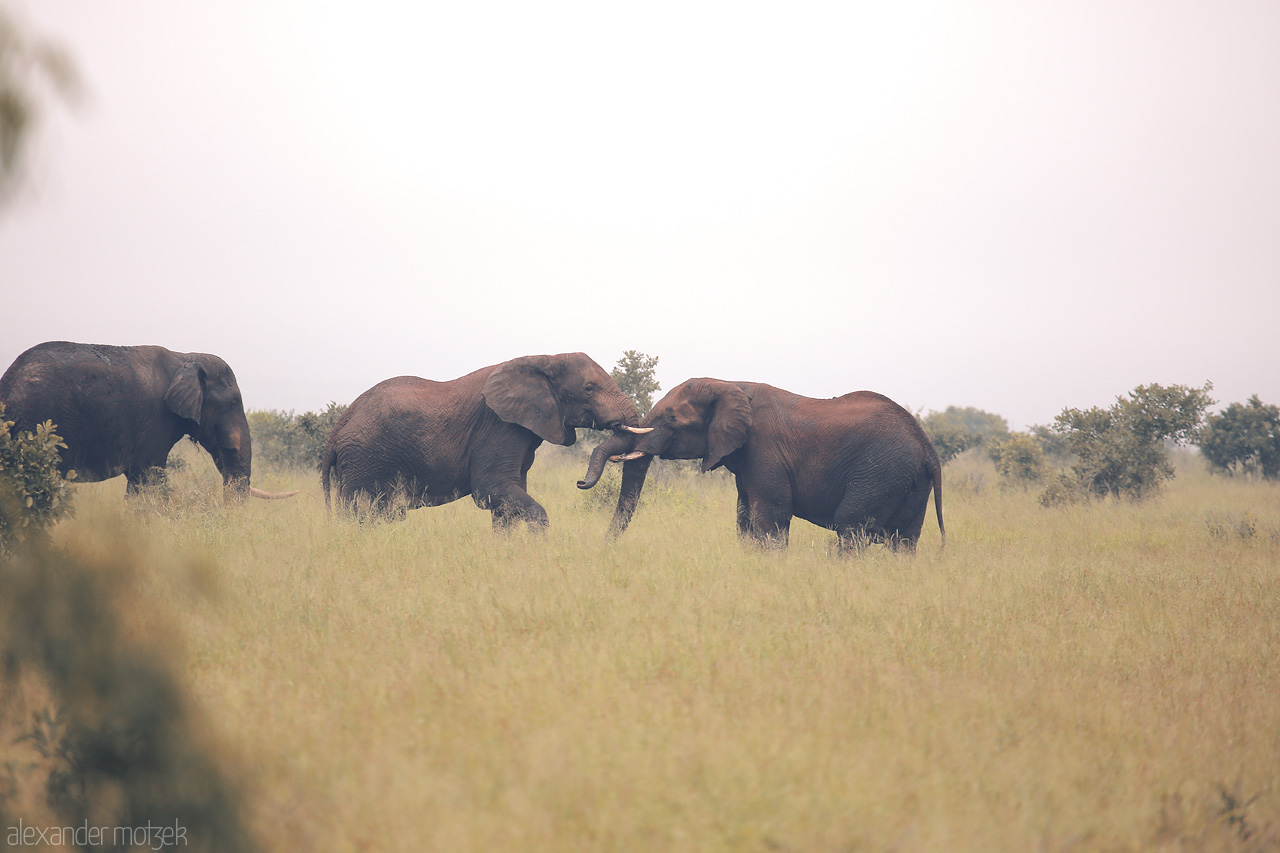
(520, 391)
(730, 418)
(185, 396)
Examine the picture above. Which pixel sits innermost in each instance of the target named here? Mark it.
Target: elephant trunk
(619, 442)
(238, 488)
(235, 480)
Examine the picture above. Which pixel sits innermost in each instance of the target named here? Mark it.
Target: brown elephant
(859, 464)
(410, 442)
(120, 410)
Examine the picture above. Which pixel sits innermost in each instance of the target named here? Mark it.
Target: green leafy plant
(33, 493)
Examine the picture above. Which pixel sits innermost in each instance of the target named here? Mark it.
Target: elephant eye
(589, 388)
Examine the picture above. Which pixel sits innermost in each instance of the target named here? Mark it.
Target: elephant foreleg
(513, 504)
(744, 514)
(153, 478)
(762, 521)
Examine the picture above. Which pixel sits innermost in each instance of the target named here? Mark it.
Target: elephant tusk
(627, 457)
(271, 496)
(636, 430)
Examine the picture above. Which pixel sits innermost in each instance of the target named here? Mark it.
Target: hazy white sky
(1020, 206)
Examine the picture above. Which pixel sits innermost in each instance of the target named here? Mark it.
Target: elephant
(859, 464)
(410, 442)
(120, 410)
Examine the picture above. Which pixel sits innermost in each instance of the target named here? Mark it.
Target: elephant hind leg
(377, 501)
(907, 521)
(858, 522)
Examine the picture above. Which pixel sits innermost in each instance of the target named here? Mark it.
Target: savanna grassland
(1100, 677)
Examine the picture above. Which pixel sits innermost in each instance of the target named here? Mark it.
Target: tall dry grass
(1102, 677)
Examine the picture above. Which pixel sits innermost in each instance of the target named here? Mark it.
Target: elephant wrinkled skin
(120, 410)
(859, 464)
(410, 442)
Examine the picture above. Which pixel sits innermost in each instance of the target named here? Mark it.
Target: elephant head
(204, 389)
(703, 419)
(554, 395)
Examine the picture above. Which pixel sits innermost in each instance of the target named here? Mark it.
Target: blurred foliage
(33, 493)
(959, 428)
(1243, 439)
(286, 440)
(634, 374)
(1019, 458)
(1120, 451)
(30, 69)
(116, 740)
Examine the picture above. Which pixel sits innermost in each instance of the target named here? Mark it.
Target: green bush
(33, 493)
(1243, 439)
(1120, 451)
(286, 440)
(1057, 449)
(1019, 458)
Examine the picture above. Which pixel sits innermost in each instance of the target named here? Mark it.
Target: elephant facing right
(859, 464)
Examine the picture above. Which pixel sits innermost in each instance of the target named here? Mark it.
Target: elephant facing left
(120, 410)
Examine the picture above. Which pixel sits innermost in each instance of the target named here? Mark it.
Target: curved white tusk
(636, 430)
(627, 457)
(271, 496)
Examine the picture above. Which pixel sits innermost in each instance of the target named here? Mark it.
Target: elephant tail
(327, 463)
(937, 500)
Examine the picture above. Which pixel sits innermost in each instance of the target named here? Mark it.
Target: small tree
(1120, 451)
(33, 493)
(1243, 439)
(634, 374)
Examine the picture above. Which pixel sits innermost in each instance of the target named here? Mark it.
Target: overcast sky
(1020, 206)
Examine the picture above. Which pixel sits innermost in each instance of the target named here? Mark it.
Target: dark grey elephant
(120, 410)
(410, 442)
(859, 464)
